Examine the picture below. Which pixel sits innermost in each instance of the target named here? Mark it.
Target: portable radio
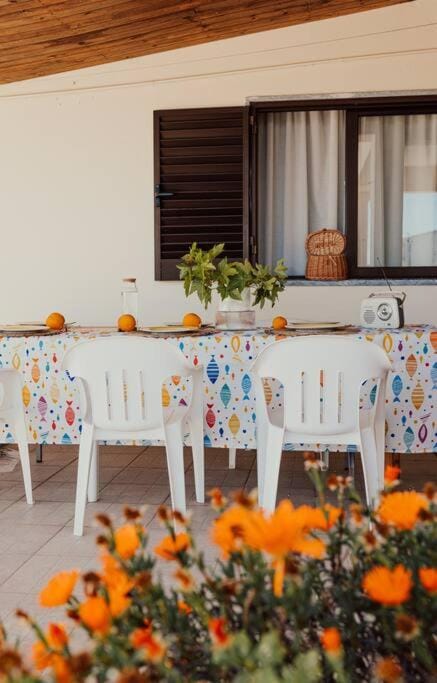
(383, 310)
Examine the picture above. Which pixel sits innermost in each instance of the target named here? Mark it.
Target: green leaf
(305, 669)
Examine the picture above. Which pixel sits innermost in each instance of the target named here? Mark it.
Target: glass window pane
(397, 190)
(300, 181)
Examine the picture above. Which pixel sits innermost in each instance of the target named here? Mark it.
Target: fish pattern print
(51, 398)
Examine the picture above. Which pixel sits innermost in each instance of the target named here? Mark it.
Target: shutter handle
(159, 194)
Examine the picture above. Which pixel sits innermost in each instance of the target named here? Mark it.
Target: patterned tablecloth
(53, 413)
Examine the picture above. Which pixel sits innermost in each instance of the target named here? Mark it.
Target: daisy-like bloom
(430, 492)
(118, 585)
(127, 540)
(389, 587)
(330, 639)
(401, 509)
(428, 578)
(96, 615)
(218, 501)
(170, 548)
(312, 462)
(391, 476)
(218, 632)
(59, 589)
(320, 518)
(388, 670)
(150, 643)
(406, 627)
(356, 513)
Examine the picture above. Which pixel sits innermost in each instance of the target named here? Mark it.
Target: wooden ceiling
(41, 37)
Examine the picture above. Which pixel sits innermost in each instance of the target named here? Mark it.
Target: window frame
(354, 109)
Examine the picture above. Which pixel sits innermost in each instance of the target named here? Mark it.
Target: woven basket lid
(325, 243)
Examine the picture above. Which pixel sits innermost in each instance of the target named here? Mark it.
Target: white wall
(76, 171)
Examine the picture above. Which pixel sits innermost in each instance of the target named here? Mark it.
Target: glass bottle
(129, 296)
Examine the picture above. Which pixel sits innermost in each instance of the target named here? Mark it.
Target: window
(367, 167)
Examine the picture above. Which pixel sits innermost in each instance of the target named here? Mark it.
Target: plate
(25, 330)
(171, 329)
(316, 326)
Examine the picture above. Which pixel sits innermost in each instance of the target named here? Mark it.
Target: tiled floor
(37, 541)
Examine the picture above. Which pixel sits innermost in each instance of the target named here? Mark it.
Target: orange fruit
(279, 322)
(127, 323)
(55, 321)
(191, 320)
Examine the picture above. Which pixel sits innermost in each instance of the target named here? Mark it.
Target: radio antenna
(383, 272)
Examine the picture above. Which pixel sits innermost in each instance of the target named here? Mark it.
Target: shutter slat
(200, 157)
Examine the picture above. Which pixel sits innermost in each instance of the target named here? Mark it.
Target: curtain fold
(301, 179)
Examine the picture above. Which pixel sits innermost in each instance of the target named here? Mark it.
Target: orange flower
(389, 587)
(428, 579)
(331, 640)
(95, 614)
(59, 589)
(183, 607)
(127, 540)
(391, 475)
(401, 509)
(234, 528)
(57, 636)
(118, 585)
(218, 501)
(286, 531)
(185, 580)
(153, 646)
(41, 656)
(170, 547)
(218, 632)
(388, 670)
(320, 518)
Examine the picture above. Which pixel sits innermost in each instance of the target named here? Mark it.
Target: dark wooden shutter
(201, 173)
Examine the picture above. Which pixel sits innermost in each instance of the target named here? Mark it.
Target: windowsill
(412, 282)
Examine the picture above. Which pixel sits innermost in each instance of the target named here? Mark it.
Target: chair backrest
(322, 378)
(122, 379)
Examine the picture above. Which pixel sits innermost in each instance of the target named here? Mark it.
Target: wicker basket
(326, 259)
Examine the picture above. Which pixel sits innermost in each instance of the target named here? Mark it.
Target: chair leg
(373, 465)
(23, 449)
(274, 443)
(175, 461)
(83, 474)
(93, 483)
(198, 450)
(232, 458)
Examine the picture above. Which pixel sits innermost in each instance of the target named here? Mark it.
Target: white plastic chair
(11, 413)
(322, 378)
(121, 382)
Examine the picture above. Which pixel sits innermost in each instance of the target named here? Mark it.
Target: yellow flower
(401, 509)
(428, 578)
(96, 615)
(389, 587)
(170, 547)
(59, 589)
(127, 540)
(331, 640)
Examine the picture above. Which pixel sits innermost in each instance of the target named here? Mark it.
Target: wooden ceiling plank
(39, 37)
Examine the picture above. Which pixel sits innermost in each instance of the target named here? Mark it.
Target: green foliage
(202, 273)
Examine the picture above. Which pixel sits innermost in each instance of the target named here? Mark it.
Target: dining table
(52, 407)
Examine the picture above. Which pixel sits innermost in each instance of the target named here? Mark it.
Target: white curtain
(397, 190)
(300, 181)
